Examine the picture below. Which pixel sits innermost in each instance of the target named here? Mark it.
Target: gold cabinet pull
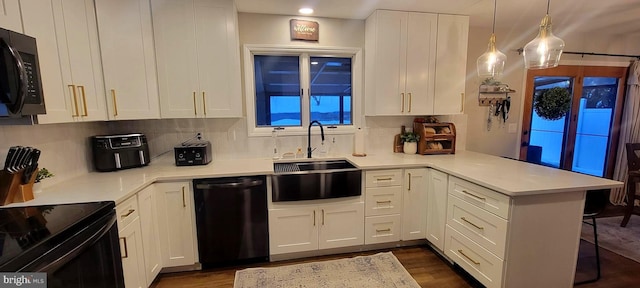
(382, 202)
(402, 107)
(385, 179)
(128, 213)
(474, 195)
(75, 100)
(409, 182)
(322, 217)
(126, 251)
(461, 102)
(383, 230)
(409, 102)
(195, 109)
(204, 104)
(471, 223)
(115, 102)
(84, 101)
(314, 218)
(184, 201)
(470, 259)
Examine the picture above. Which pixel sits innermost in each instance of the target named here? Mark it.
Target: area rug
(624, 241)
(380, 270)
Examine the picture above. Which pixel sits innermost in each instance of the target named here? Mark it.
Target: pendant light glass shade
(545, 50)
(491, 63)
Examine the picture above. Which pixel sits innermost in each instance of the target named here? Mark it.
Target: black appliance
(20, 83)
(117, 152)
(231, 220)
(193, 153)
(75, 244)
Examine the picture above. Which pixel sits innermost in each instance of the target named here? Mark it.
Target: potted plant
(410, 141)
(552, 104)
(43, 173)
(490, 85)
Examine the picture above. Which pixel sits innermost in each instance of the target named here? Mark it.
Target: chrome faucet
(309, 136)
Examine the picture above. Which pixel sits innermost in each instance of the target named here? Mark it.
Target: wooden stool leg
(631, 196)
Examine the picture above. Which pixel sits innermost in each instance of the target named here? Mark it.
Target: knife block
(11, 188)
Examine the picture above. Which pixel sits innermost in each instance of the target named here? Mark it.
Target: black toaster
(192, 153)
(117, 152)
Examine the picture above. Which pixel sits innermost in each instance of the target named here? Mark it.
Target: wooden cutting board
(397, 144)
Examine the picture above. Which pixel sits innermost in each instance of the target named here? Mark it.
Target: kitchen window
(287, 88)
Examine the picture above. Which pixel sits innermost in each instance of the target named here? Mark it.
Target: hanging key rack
(493, 94)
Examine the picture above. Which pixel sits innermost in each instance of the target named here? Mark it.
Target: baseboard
(350, 249)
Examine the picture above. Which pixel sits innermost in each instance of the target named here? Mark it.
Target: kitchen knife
(10, 154)
(21, 157)
(33, 165)
(25, 160)
(14, 161)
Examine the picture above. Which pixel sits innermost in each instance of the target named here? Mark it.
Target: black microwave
(20, 83)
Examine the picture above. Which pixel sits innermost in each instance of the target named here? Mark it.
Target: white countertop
(510, 177)
(507, 176)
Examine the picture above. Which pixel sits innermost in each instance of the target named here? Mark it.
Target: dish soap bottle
(299, 153)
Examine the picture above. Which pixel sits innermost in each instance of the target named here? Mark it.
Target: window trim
(356, 86)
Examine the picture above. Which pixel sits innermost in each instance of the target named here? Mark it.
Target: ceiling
(613, 16)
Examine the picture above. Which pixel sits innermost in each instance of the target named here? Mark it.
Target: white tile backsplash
(66, 151)
(65, 147)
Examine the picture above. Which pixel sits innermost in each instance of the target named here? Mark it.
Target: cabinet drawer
(381, 229)
(479, 196)
(381, 178)
(383, 200)
(484, 228)
(480, 263)
(127, 211)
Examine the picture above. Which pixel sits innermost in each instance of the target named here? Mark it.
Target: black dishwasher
(232, 220)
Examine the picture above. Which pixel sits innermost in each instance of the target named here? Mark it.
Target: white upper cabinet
(451, 64)
(400, 63)
(126, 42)
(69, 55)
(415, 63)
(198, 58)
(10, 15)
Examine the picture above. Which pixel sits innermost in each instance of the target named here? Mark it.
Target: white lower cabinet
(383, 198)
(382, 229)
(293, 230)
(414, 209)
(436, 207)
(476, 230)
(176, 218)
(131, 250)
(473, 258)
(312, 227)
(149, 225)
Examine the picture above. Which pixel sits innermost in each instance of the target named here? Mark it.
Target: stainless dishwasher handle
(229, 185)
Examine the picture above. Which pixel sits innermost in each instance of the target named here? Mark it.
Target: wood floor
(428, 269)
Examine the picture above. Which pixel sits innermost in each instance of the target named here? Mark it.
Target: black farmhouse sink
(311, 180)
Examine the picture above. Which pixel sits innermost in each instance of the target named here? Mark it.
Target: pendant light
(545, 50)
(491, 63)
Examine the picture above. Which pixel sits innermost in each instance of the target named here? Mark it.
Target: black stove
(56, 238)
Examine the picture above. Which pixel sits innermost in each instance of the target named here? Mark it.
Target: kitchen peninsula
(527, 217)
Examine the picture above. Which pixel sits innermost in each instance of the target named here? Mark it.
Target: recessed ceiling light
(314, 63)
(305, 11)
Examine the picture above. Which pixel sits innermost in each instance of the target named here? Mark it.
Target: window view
(277, 80)
(330, 90)
(581, 146)
(278, 87)
(549, 135)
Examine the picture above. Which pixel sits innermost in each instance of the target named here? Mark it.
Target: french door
(585, 139)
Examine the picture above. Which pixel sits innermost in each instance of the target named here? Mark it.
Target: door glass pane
(594, 124)
(547, 136)
(277, 80)
(330, 101)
